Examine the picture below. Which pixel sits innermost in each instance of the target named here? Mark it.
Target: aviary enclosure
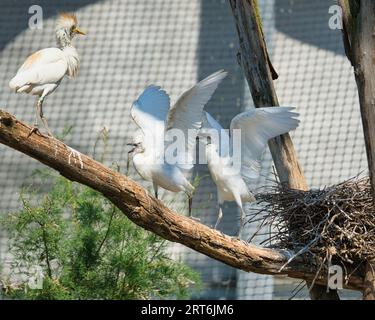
(323, 235)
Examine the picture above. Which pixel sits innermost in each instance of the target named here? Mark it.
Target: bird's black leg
(190, 204)
(36, 124)
(44, 120)
(156, 190)
(190, 200)
(128, 164)
(219, 215)
(35, 128)
(243, 215)
(242, 223)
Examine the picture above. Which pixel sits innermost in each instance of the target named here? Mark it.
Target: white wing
(187, 113)
(42, 67)
(257, 127)
(223, 144)
(149, 112)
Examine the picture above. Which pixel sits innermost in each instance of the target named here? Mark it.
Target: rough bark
(254, 59)
(150, 213)
(369, 282)
(359, 42)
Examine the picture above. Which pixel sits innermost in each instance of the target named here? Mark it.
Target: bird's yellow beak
(77, 31)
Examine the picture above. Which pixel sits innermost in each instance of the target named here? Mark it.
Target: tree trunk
(359, 41)
(254, 59)
(369, 282)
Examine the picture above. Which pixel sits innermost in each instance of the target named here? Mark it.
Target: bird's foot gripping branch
(149, 213)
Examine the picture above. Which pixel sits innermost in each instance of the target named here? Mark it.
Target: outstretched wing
(187, 113)
(149, 112)
(257, 127)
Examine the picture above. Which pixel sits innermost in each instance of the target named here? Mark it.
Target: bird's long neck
(212, 154)
(72, 60)
(142, 166)
(63, 39)
(64, 42)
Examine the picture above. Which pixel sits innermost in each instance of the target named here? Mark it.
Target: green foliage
(88, 249)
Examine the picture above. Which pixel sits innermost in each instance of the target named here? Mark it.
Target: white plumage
(43, 71)
(157, 120)
(256, 128)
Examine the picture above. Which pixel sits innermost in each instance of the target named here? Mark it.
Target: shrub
(86, 248)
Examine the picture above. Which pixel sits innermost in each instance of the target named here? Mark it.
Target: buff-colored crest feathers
(67, 19)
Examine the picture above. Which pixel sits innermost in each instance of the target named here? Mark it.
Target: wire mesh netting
(133, 43)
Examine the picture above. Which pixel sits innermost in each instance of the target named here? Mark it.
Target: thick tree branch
(150, 213)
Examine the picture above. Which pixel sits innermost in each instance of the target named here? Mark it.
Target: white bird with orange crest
(43, 71)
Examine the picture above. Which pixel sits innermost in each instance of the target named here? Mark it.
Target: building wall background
(133, 43)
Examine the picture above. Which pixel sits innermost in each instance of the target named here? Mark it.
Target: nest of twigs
(335, 224)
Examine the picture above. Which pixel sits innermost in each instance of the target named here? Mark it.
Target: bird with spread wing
(229, 173)
(157, 120)
(43, 71)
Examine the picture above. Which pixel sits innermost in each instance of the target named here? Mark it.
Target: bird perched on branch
(43, 71)
(228, 167)
(159, 123)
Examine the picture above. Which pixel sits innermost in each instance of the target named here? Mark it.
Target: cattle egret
(156, 119)
(43, 71)
(256, 128)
